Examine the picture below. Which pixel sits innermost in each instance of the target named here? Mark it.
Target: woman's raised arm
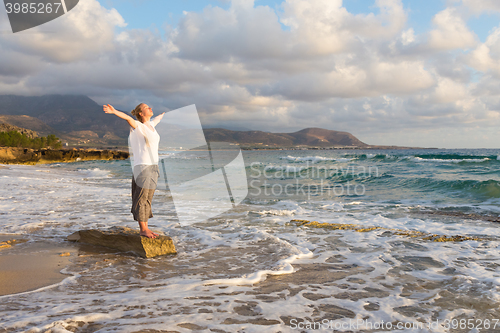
(111, 110)
(157, 119)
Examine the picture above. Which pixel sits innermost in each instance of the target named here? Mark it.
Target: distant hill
(315, 137)
(5, 127)
(78, 119)
(32, 123)
(68, 114)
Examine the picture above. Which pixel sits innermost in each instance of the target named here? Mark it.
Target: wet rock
(191, 326)
(246, 310)
(370, 306)
(314, 297)
(127, 240)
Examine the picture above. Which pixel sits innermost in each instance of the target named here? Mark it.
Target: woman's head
(142, 112)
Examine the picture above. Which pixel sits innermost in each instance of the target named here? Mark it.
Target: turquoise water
(252, 269)
(458, 180)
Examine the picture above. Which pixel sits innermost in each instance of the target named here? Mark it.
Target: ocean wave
(182, 156)
(370, 156)
(334, 207)
(456, 157)
(286, 207)
(95, 173)
(452, 158)
(282, 212)
(488, 188)
(438, 160)
(315, 159)
(284, 267)
(284, 168)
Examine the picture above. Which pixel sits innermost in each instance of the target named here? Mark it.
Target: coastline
(14, 155)
(369, 147)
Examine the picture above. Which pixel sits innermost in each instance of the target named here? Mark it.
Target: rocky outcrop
(127, 240)
(30, 123)
(10, 155)
(4, 127)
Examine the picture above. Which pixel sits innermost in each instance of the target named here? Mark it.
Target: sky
(391, 72)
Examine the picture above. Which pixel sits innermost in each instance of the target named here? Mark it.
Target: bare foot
(144, 230)
(148, 233)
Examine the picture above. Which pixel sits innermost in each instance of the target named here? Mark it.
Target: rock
(126, 239)
(44, 155)
(4, 127)
(10, 242)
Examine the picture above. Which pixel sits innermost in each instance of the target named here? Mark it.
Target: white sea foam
(94, 173)
(281, 212)
(284, 168)
(256, 277)
(336, 207)
(221, 263)
(437, 160)
(316, 159)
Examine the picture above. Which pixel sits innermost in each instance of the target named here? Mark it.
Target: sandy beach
(30, 265)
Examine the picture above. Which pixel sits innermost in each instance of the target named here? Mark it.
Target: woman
(143, 140)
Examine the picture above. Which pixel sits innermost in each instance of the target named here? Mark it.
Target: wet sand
(30, 265)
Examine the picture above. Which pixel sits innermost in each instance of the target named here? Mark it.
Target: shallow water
(252, 269)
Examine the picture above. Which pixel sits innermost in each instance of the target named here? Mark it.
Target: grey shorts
(143, 188)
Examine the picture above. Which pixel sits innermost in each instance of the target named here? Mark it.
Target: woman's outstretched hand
(157, 119)
(109, 109)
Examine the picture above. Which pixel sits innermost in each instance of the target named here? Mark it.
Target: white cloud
(325, 27)
(367, 74)
(317, 28)
(408, 36)
(480, 6)
(449, 91)
(242, 31)
(82, 33)
(403, 77)
(451, 32)
(486, 57)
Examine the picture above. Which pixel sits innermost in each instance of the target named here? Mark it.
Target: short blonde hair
(136, 111)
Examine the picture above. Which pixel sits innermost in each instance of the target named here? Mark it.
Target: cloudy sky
(403, 72)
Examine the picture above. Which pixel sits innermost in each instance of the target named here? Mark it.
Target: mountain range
(79, 120)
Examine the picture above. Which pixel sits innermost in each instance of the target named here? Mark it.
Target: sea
(325, 241)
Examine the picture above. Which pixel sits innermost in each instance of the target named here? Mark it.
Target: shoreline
(27, 266)
(28, 156)
(371, 147)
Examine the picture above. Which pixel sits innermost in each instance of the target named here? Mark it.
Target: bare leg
(145, 230)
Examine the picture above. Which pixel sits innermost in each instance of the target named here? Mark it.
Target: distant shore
(13, 155)
(260, 147)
